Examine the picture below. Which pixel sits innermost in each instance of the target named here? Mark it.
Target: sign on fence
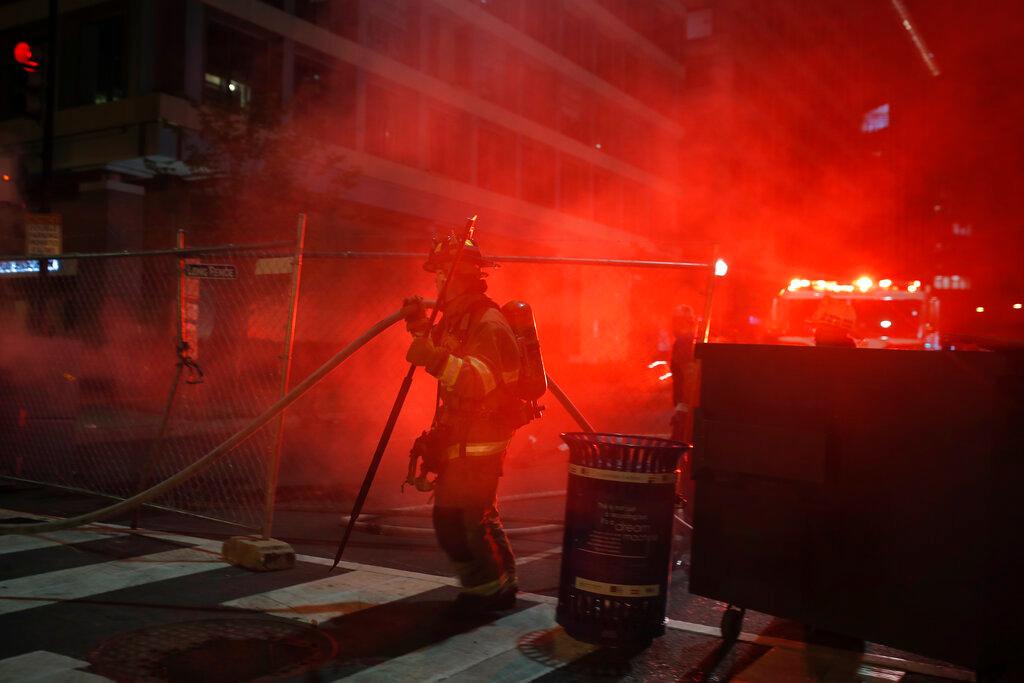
(190, 311)
(278, 265)
(43, 234)
(212, 271)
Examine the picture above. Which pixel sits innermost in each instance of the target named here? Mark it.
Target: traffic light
(23, 56)
(30, 78)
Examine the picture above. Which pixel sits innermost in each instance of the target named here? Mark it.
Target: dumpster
(617, 544)
(867, 492)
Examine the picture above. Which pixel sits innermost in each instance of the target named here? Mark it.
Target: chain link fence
(96, 397)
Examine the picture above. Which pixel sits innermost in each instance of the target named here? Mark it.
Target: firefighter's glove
(416, 322)
(423, 352)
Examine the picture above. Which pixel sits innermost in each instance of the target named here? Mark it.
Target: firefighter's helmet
(683, 320)
(836, 313)
(443, 252)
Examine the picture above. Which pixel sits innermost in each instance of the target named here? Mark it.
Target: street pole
(709, 296)
(274, 461)
(49, 107)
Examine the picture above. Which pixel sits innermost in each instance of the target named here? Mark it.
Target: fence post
(274, 461)
(709, 295)
(146, 471)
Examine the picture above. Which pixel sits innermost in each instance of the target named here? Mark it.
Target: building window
(392, 29)
(609, 122)
(540, 94)
(95, 71)
(577, 192)
(391, 123)
(325, 91)
(578, 40)
(636, 208)
(449, 50)
(608, 59)
(448, 144)
(607, 198)
(236, 65)
(575, 113)
(496, 77)
(538, 170)
(542, 21)
(496, 159)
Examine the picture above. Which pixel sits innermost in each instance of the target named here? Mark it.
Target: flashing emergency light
(23, 56)
(1018, 306)
(6, 177)
(885, 324)
(863, 284)
(979, 309)
(721, 267)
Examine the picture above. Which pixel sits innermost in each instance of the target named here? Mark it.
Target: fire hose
(207, 460)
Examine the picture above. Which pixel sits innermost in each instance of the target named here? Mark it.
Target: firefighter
(833, 320)
(473, 354)
(684, 329)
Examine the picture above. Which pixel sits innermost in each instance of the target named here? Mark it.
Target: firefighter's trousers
(468, 525)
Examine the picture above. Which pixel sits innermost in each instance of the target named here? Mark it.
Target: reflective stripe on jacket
(483, 358)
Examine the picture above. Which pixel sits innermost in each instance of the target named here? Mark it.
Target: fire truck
(890, 314)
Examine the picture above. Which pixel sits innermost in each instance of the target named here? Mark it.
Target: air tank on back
(533, 380)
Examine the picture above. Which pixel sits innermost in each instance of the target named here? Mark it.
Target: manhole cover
(228, 650)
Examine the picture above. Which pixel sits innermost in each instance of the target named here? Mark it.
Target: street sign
(43, 234)
(211, 271)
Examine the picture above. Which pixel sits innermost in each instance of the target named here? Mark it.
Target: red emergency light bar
(862, 285)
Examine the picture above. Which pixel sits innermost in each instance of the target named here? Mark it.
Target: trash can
(618, 530)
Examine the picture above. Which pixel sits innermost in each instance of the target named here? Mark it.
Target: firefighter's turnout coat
(477, 416)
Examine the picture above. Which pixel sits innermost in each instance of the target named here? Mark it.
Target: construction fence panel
(93, 395)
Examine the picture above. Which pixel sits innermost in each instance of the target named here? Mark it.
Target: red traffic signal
(23, 55)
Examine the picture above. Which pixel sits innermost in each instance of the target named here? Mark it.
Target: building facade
(559, 122)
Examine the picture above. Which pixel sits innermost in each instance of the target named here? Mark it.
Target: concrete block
(258, 554)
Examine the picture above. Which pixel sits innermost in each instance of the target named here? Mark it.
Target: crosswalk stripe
(17, 544)
(79, 582)
(335, 596)
(40, 666)
(462, 652)
(513, 666)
